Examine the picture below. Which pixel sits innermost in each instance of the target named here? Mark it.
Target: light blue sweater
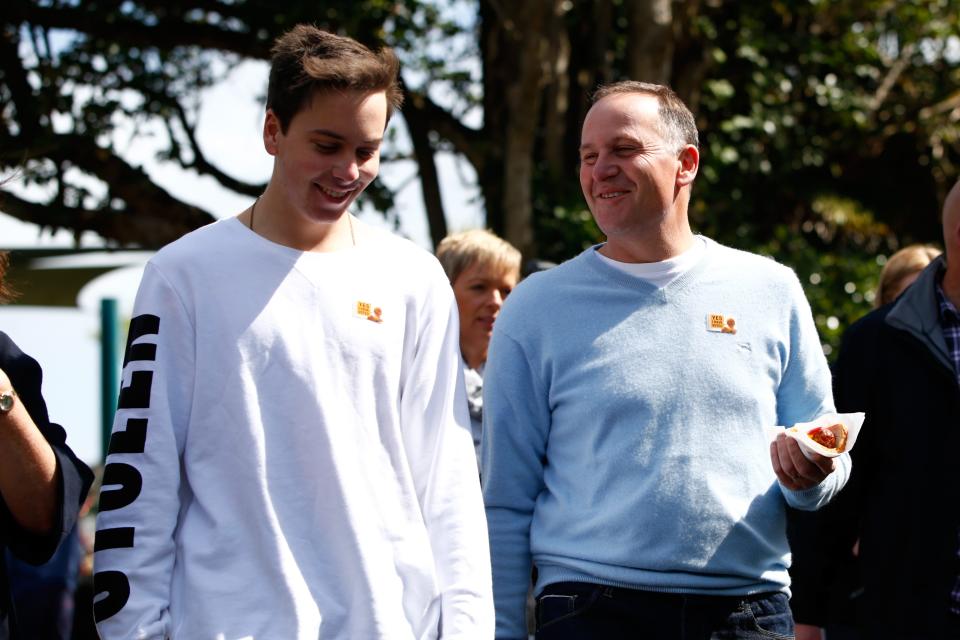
(624, 443)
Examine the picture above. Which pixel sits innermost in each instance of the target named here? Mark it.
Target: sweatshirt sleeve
(805, 393)
(140, 498)
(436, 432)
(516, 423)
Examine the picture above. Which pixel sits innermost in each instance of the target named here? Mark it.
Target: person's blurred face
(630, 175)
(480, 291)
(329, 153)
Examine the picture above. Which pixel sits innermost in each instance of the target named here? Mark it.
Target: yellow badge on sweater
(721, 323)
(369, 312)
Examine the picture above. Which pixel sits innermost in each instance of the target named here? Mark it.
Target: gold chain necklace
(353, 237)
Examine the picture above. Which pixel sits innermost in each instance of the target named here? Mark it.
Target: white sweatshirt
(297, 426)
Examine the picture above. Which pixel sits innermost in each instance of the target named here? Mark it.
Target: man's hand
(793, 469)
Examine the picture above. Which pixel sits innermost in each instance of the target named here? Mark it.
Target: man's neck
(473, 356)
(271, 217)
(657, 248)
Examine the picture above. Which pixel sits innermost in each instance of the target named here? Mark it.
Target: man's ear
(271, 132)
(689, 164)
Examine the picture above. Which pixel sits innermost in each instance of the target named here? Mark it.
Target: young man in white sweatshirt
(291, 456)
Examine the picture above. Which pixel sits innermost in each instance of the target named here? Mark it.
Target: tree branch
(204, 166)
(951, 103)
(429, 178)
(896, 69)
(151, 216)
(465, 140)
(126, 226)
(15, 77)
(164, 34)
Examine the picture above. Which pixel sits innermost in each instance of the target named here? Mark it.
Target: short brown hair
(677, 124)
(901, 265)
(307, 60)
(458, 251)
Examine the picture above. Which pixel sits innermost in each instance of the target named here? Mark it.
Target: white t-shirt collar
(662, 273)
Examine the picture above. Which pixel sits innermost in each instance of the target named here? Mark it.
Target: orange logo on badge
(720, 323)
(369, 312)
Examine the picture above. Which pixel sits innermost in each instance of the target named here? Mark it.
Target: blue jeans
(584, 611)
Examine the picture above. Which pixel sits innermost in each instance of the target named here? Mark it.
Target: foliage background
(829, 130)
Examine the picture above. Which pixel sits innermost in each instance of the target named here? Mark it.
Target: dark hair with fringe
(307, 60)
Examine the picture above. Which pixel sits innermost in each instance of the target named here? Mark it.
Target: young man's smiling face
(329, 153)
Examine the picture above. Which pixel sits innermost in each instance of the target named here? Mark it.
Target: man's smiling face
(628, 171)
(329, 153)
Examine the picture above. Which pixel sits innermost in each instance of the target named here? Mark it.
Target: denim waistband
(654, 598)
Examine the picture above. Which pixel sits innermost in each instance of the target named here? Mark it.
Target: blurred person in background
(900, 364)
(901, 270)
(830, 597)
(42, 482)
(483, 269)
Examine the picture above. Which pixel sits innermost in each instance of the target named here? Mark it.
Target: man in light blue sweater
(628, 396)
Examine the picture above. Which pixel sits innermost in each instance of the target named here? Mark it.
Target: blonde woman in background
(901, 270)
(483, 269)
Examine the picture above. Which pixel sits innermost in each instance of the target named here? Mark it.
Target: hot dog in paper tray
(829, 435)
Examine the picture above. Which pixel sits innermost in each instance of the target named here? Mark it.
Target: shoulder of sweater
(546, 294)
(213, 243)
(754, 271)
(404, 262)
(193, 245)
(740, 258)
(544, 285)
(398, 248)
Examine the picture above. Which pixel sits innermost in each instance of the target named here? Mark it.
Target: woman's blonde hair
(458, 251)
(904, 263)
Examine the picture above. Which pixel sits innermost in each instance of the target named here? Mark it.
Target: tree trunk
(650, 40)
(691, 60)
(423, 151)
(536, 56)
(557, 107)
(496, 76)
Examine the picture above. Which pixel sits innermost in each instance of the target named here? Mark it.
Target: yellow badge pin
(721, 323)
(367, 311)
